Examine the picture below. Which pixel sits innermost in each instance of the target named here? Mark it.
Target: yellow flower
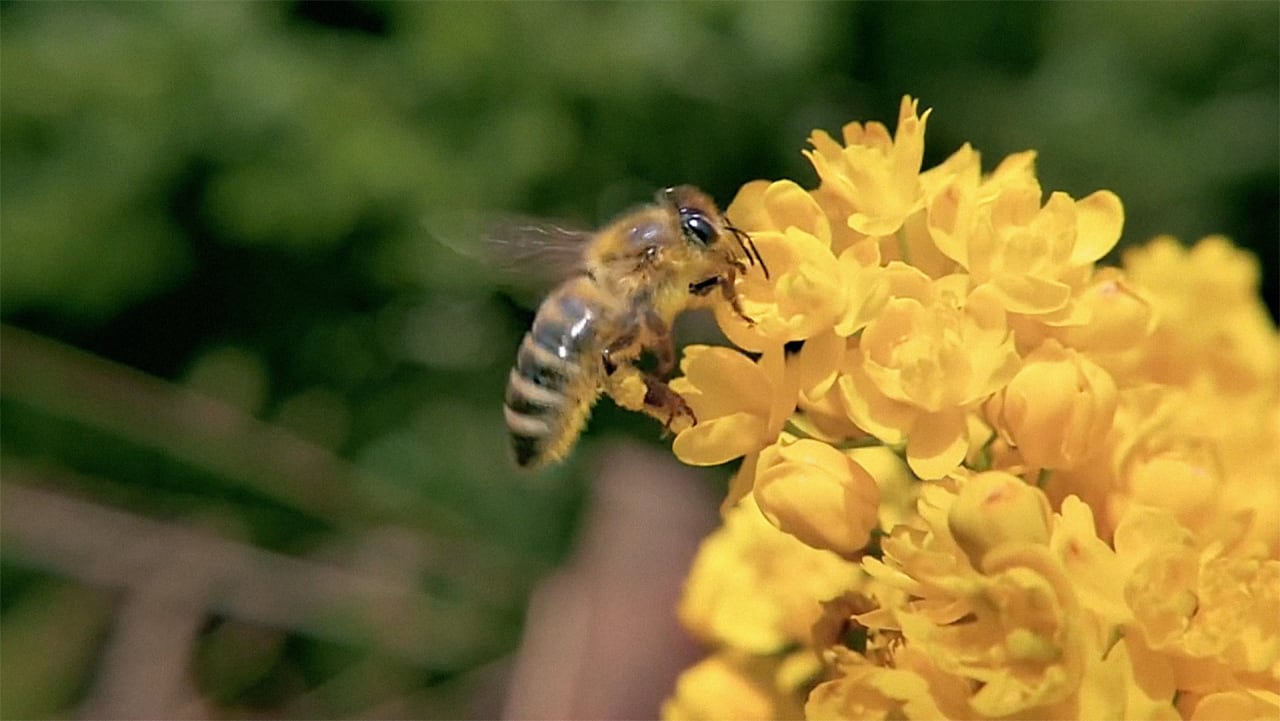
(740, 405)
(933, 354)
(1021, 641)
(809, 290)
(755, 588)
(1211, 321)
(923, 562)
(861, 690)
(876, 176)
(1212, 615)
(939, 358)
(1209, 458)
(730, 686)
(1098, 574)
(1109, 315)
(993, 509)
(1032, 256)
(817, 494)
(1058, 409)
(803, 294)
(1010, 625)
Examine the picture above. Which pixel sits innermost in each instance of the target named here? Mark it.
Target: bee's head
(703, 226)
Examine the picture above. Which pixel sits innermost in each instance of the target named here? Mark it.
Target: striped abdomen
(557, 374)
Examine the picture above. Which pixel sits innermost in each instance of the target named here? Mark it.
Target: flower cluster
(982, 476)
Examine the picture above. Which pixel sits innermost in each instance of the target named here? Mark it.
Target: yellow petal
(719, 440)
(871, 410)
(1099, 221)
(747, 210)
(817, 363)
(1030, 294)
(937, 443)
(791, 206)
(1241, 705)
(718, 381)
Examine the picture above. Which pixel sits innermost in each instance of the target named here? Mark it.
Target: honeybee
(632, 279)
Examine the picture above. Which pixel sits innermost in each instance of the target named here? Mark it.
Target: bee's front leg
(728, 291)
(726, 282)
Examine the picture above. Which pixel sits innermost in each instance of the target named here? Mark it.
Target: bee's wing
(524, 253)
(541, 251)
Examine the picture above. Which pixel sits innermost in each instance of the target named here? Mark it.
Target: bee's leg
(725, 283)
(660, 342)
(730, 294)
(666, 405)
(635, 390)
(614, 355)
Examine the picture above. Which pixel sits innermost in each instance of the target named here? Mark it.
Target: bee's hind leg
(636, 390)
(647, 393)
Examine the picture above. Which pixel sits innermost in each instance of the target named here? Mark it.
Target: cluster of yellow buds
(982, 476)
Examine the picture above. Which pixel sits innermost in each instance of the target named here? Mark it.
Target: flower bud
(996, 508)
(1058, 409)
(817, 494)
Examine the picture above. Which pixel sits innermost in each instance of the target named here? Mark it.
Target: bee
(632, 279)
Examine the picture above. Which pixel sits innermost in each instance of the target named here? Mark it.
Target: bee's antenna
(749, 247)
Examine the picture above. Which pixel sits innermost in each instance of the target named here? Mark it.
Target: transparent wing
(521, 252)
(543, 249)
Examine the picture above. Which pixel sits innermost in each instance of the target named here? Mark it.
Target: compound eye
(697, 227)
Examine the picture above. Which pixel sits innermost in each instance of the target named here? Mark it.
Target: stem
(865, 442)
(1042, 478)
(903, 249)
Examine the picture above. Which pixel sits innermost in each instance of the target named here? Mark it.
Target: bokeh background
(253, 462)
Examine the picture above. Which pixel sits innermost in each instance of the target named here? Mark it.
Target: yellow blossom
(1058, 409)
(817, 494)
(1120, 685)
(921, 560)
(932, 355)
(1060, 480)
(1109, 318)
(809, 289)
(1010, 624)
(740, 405)
(861, 690)
(1098, 574)
(995, 508)
(1213, 615)
(730, 686)
(756, 588)
(1209, 458)
(1031, 255)
(877, 177)
(804, 293)
(1211, 320)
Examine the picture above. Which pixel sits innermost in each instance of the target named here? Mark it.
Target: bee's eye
(697, 227)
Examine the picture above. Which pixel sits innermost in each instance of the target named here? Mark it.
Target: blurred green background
(234, 360)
